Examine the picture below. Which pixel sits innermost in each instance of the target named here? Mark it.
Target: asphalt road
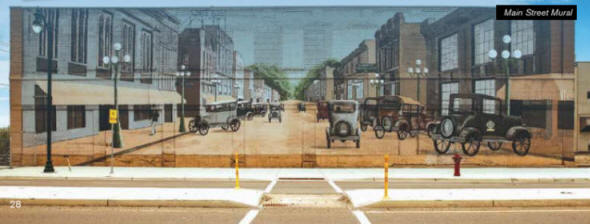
(485, 216)
(100, 215)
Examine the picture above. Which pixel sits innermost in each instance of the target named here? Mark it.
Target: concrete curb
(131, 179)
(126, 203)
(479, 203)
(475, 180)
(440, 180)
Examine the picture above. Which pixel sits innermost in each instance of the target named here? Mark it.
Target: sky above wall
(582, 24)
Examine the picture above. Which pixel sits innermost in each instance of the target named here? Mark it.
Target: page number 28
(15, 204)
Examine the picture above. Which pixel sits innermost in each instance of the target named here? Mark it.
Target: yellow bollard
(237, 171)
(386, 178)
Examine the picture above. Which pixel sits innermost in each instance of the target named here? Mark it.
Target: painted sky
(582, 24)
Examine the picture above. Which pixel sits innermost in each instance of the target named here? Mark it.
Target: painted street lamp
(377, 83)
(183, 72)
(215, 83)
(419, 73)
(39, 24)
(114, 60)
(237, 88)
(516, 54)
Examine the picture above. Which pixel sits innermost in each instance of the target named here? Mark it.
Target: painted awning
(76, 93)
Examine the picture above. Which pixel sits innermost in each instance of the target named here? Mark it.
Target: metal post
(386, 178)
(49, 112)
(182, 128)
(507, 93)
(417, 110)
(117, 143)
(215, 84)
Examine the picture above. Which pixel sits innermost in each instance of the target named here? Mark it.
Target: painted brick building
(398, 45)
(82, 82)
(357, 69)
(542, 80)
(208, 53)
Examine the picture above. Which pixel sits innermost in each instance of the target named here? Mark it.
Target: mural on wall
(292, 87)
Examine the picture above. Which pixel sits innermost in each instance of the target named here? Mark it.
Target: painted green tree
(274, 77)
(314, 74)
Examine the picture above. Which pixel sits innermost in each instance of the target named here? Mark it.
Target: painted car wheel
(441, 145)
(471, 146)
(235, 125)
(521, 144)
(203, 129)
(379, 132)
(447, 127)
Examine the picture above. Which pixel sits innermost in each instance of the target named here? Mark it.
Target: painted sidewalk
(127, 196)
(405, 198)
(527, 174)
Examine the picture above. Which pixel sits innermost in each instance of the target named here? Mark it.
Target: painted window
(76, 116)
(105, 37)
(146, 51)
(487, 87)
(483, 41)
(449, 56)
(446, 90)
(128, 45)
(523, 36)
(40, 111)
(79, 35)
(52, 16)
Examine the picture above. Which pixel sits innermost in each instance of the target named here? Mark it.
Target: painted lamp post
(377, 83)
(516, 54)
(215, 83)
(114, 60)
(41, 23)
(183, 72)
(419, 73)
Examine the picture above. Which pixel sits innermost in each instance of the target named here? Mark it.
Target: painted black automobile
(301, 107)
(260, 109)
(275, 112)
(477, 118)
(245, 110)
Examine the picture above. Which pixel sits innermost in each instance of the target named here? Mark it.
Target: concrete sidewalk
(424, 198)
(132, 197)
(468, 174)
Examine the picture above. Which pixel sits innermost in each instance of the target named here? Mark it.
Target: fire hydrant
(457, 158)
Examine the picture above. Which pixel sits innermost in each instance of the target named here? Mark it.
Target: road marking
(479, 211)
(361, 217)
(270, 186)
(249, 216)
(336, 188)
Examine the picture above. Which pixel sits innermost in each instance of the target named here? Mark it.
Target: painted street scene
(295, 113)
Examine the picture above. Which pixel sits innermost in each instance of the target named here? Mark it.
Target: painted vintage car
(260, 109)
(245, 110)
(388, 112)
(275, 112)
(477, 118)
(301, 107)
(219, 114)
(322, 110)
(368, 112)
(413, 119)
(343, 117)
